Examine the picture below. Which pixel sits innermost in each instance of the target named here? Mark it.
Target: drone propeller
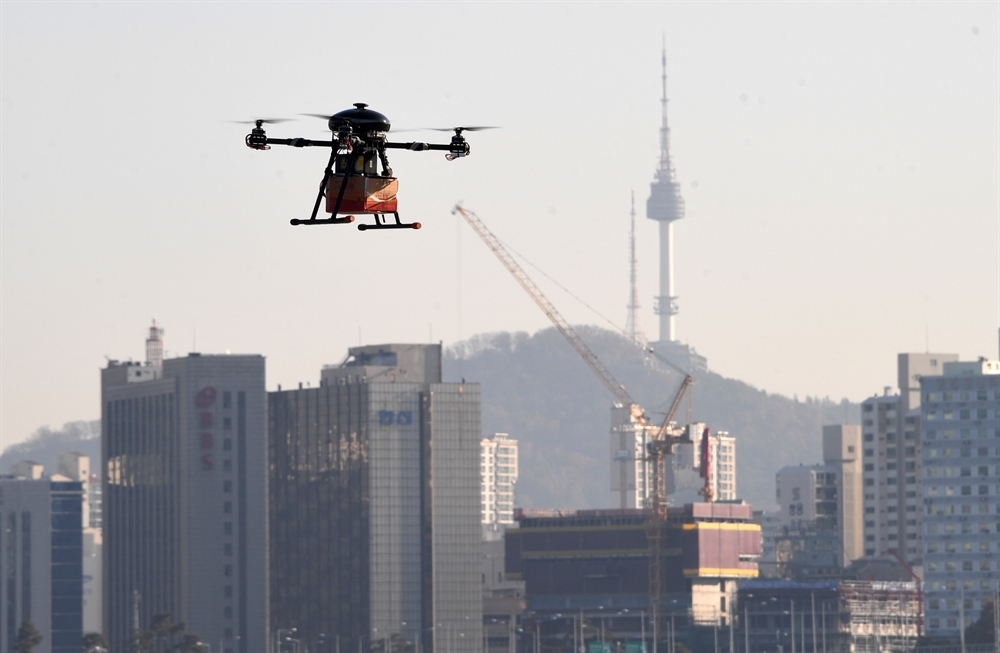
(459, 130)
(266, 121)
(317, 115)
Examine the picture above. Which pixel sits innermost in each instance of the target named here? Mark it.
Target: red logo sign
(206, 397)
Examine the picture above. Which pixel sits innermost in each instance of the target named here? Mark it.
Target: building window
(227, 591)
(227, 549)
(227, 570)
(227, 507)
(227, 528)
(227, 486)
(227, 444)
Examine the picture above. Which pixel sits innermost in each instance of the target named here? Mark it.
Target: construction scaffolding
(830, 616)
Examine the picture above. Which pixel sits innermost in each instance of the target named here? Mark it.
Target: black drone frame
(347, 143)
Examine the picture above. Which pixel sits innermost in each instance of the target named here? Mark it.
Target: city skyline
(825, 193)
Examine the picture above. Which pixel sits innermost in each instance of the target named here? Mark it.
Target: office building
(375, 505)
(185, 497)
(498, 467)
(891, 459)
(960, 411)
(76, 467)
(41, 549)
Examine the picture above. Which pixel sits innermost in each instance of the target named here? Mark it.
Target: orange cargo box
(363, 194)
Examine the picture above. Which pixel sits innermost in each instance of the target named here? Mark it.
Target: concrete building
(842, 450)
(684, 481)
(820, 529)
(960, 449)
(41, 548)
(498, 468)
(891, 460)
(666, 206)
(375, 504)
(185, 497)
(76, 467)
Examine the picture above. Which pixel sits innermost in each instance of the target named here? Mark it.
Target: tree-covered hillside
(538, 389)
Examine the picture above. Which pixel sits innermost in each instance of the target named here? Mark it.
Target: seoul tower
(666, 206)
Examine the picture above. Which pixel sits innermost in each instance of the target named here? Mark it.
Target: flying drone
(352, 183)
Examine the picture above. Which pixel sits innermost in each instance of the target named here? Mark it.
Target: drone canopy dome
(361, 119)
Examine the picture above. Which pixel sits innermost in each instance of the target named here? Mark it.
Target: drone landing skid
(380, 223)
(296, 222)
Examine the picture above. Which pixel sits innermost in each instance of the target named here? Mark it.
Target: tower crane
(661, 439)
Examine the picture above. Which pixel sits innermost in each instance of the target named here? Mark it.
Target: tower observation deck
(666, 206)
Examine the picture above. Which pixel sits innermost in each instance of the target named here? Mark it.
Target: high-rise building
(891, 460)
(76, 467)
(666, 206)
(684, 481)
(375, 505)
(629, 468)
(842, 450)
(961, 492)
(498, 467)
(41, 547)
(185, 498)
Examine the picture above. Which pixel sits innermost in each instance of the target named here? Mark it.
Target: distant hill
(46, 445)
(538, 389)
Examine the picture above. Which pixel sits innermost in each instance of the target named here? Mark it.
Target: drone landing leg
(382, 224)
(322, 190)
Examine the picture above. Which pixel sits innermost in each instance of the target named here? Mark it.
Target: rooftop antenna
(154, 346)
(633, 325)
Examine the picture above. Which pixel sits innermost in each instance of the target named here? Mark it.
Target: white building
(41, 550)
(891, 460)
(961, 492)
(684, 482)
(498, 469)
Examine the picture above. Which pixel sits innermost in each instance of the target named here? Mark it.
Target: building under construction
(597, 562)
(832, 615)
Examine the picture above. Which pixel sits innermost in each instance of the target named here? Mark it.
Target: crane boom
(603, 373)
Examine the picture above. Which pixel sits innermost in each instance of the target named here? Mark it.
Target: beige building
(842, 449)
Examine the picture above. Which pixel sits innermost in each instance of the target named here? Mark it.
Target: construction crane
(660, 440)
(603, 373)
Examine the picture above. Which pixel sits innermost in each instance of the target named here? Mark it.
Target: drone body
(353, 183)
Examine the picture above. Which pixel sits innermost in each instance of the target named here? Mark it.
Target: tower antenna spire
(633, 325)
(666, 168)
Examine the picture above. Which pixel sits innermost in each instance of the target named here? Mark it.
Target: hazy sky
(839, 162)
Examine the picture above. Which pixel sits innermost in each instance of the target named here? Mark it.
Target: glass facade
(67, 565)
(374, 512)
(142, 552)
(320, 510)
